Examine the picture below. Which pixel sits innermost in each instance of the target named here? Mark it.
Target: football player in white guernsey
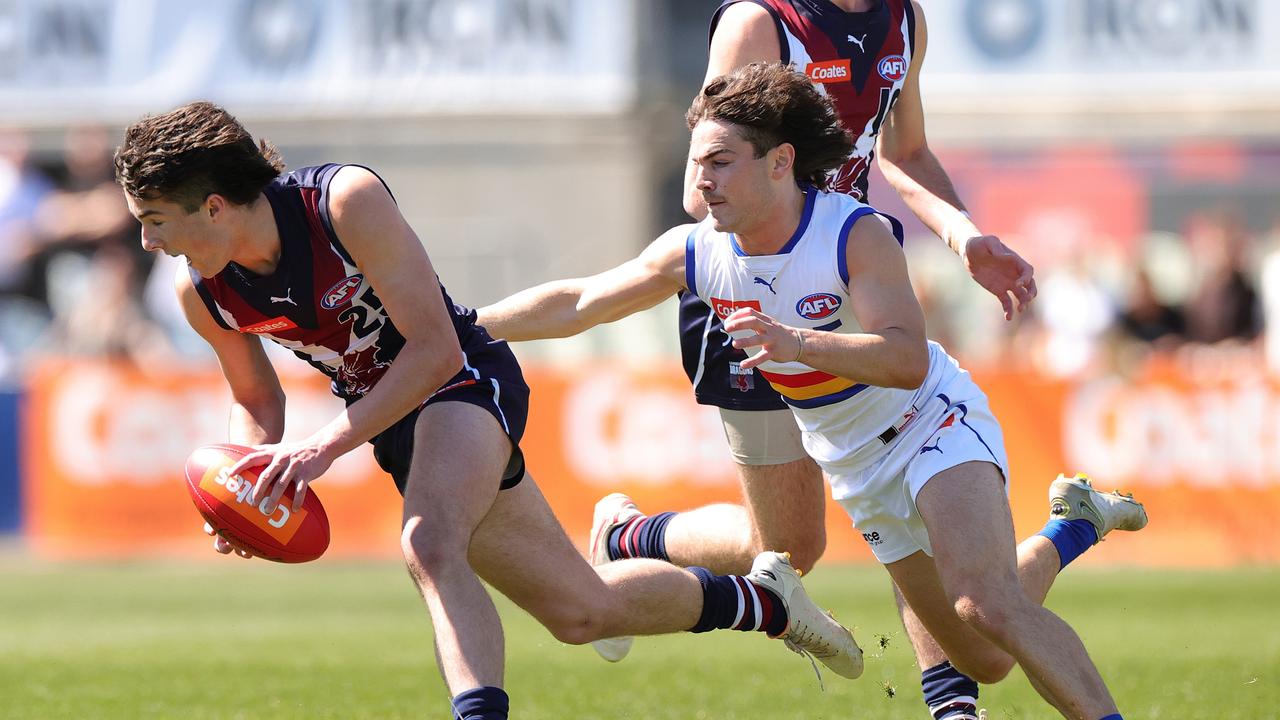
(782, 489)
(814, 286)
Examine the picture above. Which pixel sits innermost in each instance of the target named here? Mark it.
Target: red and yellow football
(282, 535)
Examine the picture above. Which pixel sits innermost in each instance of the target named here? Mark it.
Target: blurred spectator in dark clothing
(23, 313)
(107, 320)
(1225, 304)
(22, 188)
(87, 211)
(1146, 319)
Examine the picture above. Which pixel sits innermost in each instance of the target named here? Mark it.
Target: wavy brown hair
(189, 153)
(773, 104)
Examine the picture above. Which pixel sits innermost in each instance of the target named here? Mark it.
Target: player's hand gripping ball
(282, 535)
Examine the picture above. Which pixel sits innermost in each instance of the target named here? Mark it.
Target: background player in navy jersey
(875, 398)
(321, 261)
(866, 56)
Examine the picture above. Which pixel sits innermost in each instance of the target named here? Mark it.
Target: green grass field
(334, 640)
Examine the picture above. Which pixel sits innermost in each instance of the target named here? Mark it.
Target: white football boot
(810, 631)
(611, 511)
(1075, 498)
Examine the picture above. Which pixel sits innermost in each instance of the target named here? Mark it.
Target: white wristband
(963, 226)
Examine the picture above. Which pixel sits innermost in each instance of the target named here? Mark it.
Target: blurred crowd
(74, 281)
(1204, 295)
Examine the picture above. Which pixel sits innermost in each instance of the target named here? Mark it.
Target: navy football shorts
(490, 379)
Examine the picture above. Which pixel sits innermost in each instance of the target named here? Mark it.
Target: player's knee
(985, 670)
(805, 549)
(805, 542)
(988, 612)
(574, 623)
(429, 550)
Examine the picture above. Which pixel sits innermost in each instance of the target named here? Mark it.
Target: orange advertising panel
(105, 451)
(1200, 450)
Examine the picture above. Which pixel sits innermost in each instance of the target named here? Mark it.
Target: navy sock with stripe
(1112, 716)
(734, 602)
(641, 537)
(482, 703)
(949, 693)
(1070, 537)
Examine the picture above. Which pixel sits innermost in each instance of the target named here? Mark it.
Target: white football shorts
(950, 424)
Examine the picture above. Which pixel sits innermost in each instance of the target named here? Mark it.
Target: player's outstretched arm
(890, 352)
(914, 171)
(562, 308)
(745, 34)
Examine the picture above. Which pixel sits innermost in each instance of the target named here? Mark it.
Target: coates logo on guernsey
(828, 71)
(341, 293)
(818, 306)
(892, 68)
(725, 308)
(275, 324)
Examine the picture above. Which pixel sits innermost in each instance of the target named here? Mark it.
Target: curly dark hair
(189, 153)
(773, 104)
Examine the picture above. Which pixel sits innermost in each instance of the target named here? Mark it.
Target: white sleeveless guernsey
(804, 285)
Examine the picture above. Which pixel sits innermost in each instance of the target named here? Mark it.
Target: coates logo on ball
(281, 534)
(818, 306)
(341, 293)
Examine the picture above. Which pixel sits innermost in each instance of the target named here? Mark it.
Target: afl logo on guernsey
(892, 68)
(818, 306)
(341, 293)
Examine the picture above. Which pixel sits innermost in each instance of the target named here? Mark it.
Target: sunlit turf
(336, 640)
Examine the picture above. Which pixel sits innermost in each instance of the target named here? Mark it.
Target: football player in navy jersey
(321, 261)
(866, 56)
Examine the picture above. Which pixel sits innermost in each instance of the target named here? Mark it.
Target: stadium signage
(1158, 433)
(1116, 29)
(312, 58)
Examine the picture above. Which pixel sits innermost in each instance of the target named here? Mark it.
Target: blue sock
(642, 537)
(482, 703)
(1113, 716)
(1071, 537)
(732, 601)
(948, 692)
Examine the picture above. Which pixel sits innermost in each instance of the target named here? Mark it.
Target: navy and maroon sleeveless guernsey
(318, 304)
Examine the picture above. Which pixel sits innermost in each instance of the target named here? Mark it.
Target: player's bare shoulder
(873, 233)
(665, 256)
(921, 38)
(351, 187)
(746, 20)
(744, 33)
